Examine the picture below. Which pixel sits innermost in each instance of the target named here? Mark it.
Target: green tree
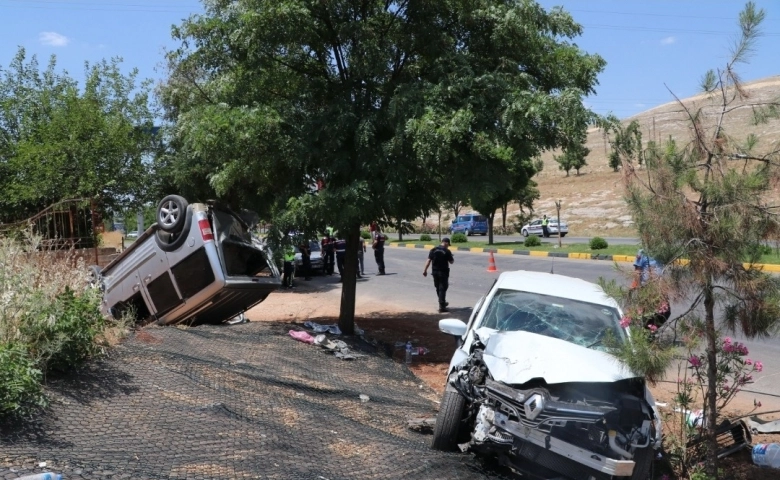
(626, 143)
(60, 141)
(573, 158)
(388, 103)
(705, 202)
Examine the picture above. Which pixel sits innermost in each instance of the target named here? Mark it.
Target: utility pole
(558, 214)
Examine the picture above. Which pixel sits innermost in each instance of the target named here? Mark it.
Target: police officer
(289, 263)
(340, 246)
(327, 253)
(379, 251)
(545, 230)
(305, 259)
(441, 258)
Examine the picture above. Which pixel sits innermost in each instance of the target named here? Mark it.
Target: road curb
(767, 267)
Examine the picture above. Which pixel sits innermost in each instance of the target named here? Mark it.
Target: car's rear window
(577, 322)
(472, 218)
(240, 256)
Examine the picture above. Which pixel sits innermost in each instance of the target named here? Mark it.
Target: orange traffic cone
(492, 263)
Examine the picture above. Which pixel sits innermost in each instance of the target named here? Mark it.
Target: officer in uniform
(441, 258)
(289, 267)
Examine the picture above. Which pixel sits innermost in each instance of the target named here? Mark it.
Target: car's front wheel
(524, 232)
(448, 421)
(643, 462)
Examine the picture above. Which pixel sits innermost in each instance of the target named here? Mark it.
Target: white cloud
(668, 40)
(53, 39)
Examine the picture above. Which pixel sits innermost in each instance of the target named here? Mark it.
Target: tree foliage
(395, 106)
(701, 208)
(626, 143)
(573, 157)
(60, 141)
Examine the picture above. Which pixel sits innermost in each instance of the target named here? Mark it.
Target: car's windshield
(581, 323)
(464, 218)
(314, 246)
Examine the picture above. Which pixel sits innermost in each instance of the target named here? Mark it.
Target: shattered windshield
(581, 323)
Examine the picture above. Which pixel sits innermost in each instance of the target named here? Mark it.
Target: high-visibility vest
(544, 222)
(289, 254)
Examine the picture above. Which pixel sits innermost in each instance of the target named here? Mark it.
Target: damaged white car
(532, 385)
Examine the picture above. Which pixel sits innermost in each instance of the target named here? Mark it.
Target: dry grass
(593, 201)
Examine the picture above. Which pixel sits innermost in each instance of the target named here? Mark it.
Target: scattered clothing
(318, 328)
(301, 336)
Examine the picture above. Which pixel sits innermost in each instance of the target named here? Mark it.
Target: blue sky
(647, 44)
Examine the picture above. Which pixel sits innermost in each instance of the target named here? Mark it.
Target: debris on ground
(301, 336)
(319, 328)
(421, 424)
(758, 425)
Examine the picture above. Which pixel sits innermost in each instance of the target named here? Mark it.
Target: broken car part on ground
(532, 384)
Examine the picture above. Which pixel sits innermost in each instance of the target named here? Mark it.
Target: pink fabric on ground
(301, 336)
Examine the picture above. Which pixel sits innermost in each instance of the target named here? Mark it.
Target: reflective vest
(544, 222)
(289, 254)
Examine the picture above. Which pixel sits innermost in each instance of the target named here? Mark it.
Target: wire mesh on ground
(241, 401)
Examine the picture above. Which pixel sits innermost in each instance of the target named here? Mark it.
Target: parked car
(132, 234)
(531, 383)
(535, 228)
(197, 264)
(317, 263)
(471, 223)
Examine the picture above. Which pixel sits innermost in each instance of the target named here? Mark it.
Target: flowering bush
(734, 371)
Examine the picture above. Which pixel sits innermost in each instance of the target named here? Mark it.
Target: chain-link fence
(242, 401)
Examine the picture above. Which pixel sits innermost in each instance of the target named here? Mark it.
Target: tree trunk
(349, 282)
(503, 215)
(490, 218)
(710, 406)
(400, 233)
(456, 209)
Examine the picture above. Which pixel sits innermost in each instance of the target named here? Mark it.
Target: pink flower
(652, 328)
(728, 347)
(756, 403)
(694, 361)
(625, 322)
(758, 366)
(748, 362)
(725, 388)
(727, 341)
(663, 308)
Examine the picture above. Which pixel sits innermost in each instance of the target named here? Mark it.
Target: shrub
(532, 241)
(365, 235)
(20, 380)
(50, 319)
(425, 237)
(459, 238)
(598, 243)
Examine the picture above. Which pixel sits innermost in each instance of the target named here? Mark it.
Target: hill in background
(593, 201)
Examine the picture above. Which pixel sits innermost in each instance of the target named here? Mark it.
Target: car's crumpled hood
(517, 357)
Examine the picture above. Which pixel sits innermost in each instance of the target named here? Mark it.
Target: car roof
(555, 285)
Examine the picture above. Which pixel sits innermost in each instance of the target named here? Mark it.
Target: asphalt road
(469, 280)
(519, 239)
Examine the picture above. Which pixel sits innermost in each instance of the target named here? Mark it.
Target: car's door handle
(136, 287)
(148, 278)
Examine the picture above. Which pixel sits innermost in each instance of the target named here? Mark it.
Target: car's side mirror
(452, 326)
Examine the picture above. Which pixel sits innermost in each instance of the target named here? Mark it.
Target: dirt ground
(392, 327)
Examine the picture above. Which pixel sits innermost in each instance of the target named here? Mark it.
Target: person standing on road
(361, 251)
(340, 246)
(545, 230)
(440, 258)
(379, 251)
(305, 260)
(326, 245)
(289, 263)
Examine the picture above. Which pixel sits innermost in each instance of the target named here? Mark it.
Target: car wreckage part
(448, 421)
(560, 428)
(171, 212)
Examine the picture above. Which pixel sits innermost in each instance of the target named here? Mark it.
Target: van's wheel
(466, 232)
(95, 278)
(168, 241)
(448, 421)
(171, 213)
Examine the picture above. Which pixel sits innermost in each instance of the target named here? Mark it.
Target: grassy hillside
(592, 201)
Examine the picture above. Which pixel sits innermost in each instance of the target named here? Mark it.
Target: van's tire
(466, 232)
(95, 277)
(448, 421)
(169, 242)
(171, 213)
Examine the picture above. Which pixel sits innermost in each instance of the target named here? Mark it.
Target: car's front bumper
(560, 452)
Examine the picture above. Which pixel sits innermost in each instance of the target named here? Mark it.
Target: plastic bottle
(408, 353)
(767, 455)
(42, 476)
